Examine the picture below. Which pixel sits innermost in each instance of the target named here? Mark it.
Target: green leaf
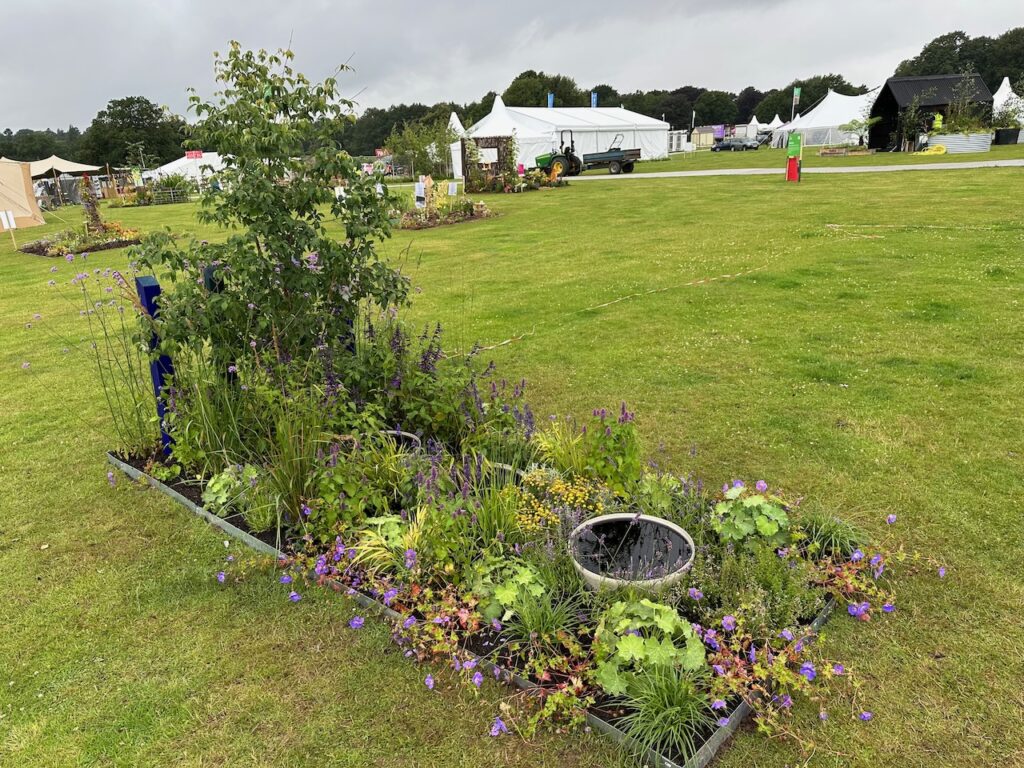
(767, 527)
(660, 651)
(630, 647)
(611, 680)
(693, 657)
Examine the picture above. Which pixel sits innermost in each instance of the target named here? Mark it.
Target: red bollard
(793, 169)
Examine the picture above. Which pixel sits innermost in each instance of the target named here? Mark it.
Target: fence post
(161, 366)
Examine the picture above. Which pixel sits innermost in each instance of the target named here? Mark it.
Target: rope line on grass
(628, 297)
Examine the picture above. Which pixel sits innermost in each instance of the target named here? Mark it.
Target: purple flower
(807, 670)
(232, 369)
(786, 635)
(469, 664)
(26, 365)
(69, 258)
(220, 576)
(729, 623)
(356, 623)
(429, 682)
(723, 721)
(718, 704)
(408, 622)
(390, 595)
(719, 669)
(865, 716)
(305, 510)
(876, 560)
(838, 669)
(942, 572)
(761, 486)
(410, 558)
(890, 519)
(294, 596)
(752, 654)
(231, 558)
(478, 679)
(858, 609)
(498, 727)
(725, 487)
(695, 594)
(496, 625)
(285, 579)
(738, 484)
(786, 701)
(111, 479)
(857, 556)
(823, 715)
(889, 607)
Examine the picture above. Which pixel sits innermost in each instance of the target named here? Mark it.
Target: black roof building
(934, 93)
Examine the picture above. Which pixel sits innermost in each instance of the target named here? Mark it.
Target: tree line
(134, 130)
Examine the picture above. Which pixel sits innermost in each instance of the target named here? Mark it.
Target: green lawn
(705, 160)
(873, 367)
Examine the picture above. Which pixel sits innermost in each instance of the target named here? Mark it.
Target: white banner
(7, 220)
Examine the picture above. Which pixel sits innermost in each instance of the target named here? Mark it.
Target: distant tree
(716, 107)
(677, 109)
(939, 57)
(422, 146)
(131, 120)
(746, 102)
(607, 96)
(531, 89)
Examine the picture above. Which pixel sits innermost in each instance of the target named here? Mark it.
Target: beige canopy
(16, 194)
(59, 165)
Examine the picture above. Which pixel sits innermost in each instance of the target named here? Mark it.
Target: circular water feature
(622, 549)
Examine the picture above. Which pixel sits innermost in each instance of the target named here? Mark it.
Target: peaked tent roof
(456, 125)
(1004, 97)
(934, 90)
(833, 110)
(60, 165)
(16, 194)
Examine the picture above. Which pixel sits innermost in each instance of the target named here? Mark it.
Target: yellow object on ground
(936, 149)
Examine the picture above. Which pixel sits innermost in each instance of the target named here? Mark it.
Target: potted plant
(1007, 122)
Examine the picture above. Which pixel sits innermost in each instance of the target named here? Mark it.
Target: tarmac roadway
(781, 171)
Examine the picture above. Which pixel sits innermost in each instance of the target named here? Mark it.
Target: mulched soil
(40, 247)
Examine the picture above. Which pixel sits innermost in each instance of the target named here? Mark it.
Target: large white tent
(194, 169)
(538, 130)
(822, 124)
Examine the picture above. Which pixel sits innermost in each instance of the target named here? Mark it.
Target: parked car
(735, 144)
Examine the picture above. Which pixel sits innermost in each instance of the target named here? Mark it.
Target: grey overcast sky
(62, 60)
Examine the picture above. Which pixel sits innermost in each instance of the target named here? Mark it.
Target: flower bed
(298, 408)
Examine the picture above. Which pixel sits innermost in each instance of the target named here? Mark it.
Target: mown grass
(873, 367)
(706, 160)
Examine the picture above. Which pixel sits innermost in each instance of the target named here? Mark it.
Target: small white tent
(55, 166)
(822, 124)
(1004, 98)
(776, 122)
(538, 130)
(455, 125)
(194, 169)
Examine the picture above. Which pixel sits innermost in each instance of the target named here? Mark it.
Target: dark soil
(193, 491)
(40, 247)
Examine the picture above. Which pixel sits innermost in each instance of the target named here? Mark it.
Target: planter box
(701, 759)
(962, 143)
(1007, 136)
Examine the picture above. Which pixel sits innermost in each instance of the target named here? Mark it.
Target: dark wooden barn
(934, 93)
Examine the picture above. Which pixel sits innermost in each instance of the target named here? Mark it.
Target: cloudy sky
(62, 60)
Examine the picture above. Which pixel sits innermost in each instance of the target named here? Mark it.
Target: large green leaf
(693, 657)
(611, 680)
(630, 647)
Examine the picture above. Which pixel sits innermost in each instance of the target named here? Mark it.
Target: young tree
(289, 288)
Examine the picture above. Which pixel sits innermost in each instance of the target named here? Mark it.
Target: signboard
(193, 154)
(795, 145)
(796, 96)
(421, 195)
(7, 220)
(453, 189)
(379, 152)
(719, 131)
(380, 189)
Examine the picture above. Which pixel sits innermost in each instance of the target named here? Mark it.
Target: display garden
(311, 406)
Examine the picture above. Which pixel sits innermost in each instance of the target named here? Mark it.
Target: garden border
(701, 759)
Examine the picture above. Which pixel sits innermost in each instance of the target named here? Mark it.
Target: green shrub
(668, 709)
(823, 536)
(743, 516)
